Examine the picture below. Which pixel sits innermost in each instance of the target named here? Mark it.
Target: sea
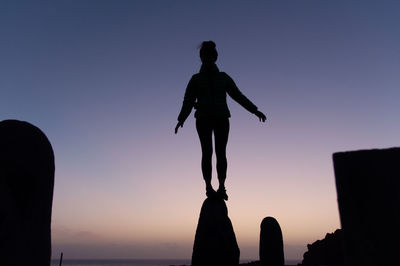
(120, 262)
(136, 262)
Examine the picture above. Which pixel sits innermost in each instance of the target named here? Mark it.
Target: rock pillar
(271, 243)
(26, 194)
(215, 241)
(368, 190)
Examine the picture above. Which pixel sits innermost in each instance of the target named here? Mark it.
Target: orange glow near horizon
(168, 212)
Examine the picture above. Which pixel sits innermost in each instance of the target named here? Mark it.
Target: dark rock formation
(368, 185)
(328, 251)
(215, 241)
(271, 243)
(26, 194)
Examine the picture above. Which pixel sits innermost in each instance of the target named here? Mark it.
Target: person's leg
(221, 132)
(204, 129)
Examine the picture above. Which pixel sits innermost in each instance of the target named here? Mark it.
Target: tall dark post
(26, 194)
(368, 189)
(271, 243)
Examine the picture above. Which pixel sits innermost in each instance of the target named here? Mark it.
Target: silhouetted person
(206, 92)
(26, 194)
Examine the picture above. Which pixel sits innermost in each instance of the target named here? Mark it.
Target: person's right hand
(261, 116)
(180, 124)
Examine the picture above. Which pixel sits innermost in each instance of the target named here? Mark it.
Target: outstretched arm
(238, 96)
(187, 106)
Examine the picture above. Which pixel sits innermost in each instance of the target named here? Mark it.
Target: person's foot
(222, 193)
(210, 192)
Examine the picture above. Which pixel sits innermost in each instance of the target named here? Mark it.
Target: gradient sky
(105, 81)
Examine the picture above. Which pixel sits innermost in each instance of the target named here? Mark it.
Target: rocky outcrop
(26, 194)
(215, 241)
(271, 243)
(328, 251)
(368, 185)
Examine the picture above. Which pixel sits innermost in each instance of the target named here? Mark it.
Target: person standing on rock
(206, 92)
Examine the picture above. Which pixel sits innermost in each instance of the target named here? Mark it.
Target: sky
(105, 81)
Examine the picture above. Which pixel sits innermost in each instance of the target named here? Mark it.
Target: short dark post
(61, 257)
(271, 243)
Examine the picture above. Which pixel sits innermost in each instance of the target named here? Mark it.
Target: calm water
(134, 262)
(130, 262)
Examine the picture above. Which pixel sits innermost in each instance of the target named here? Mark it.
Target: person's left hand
(180, 124)
(261, 116)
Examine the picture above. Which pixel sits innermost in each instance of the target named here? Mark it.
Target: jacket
(206, 92)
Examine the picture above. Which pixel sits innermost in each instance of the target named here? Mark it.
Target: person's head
(208, 53)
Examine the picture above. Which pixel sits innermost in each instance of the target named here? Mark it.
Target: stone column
(215, 242)
(26, 194)
(368, 190)
(271, 243)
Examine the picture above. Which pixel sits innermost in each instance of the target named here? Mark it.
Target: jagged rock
(271, 243)
(215, 241)
(26, 194)
(328, 251)
(368, 186)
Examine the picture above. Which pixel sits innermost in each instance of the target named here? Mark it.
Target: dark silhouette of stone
(271, 243)
(368, 185)
(328, 251)
(26, 194)
(215, 241)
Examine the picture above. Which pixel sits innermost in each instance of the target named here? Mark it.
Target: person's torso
(210, 90)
